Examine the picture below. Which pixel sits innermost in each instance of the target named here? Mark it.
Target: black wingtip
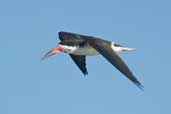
(85, 73)
(139, 85)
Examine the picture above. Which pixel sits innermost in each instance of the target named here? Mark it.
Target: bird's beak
(53, 51)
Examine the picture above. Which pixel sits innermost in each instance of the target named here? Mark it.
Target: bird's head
(53, 51)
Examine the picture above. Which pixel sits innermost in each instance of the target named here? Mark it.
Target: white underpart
(89, 51)
(86, 50)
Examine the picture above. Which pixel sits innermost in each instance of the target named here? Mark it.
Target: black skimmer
(79, 46)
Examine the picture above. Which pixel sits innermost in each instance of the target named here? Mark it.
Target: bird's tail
(127, 49)
(120, 48)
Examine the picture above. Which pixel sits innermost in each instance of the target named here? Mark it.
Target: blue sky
(28, 29)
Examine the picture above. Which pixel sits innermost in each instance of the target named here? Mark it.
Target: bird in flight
(79, 46)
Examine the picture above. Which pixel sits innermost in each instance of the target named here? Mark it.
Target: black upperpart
(79, 43)
(100, 45)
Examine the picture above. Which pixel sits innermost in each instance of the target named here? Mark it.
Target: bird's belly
(88, 51)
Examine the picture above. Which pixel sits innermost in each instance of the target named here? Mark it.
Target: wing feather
(80, 61)
(104, 48)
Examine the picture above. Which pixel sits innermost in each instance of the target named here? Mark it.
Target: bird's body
(78, 50)
(87, 50)
(80, 46)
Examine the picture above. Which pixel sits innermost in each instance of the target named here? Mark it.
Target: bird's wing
(80, 61)
(63, 36)
(105, 49)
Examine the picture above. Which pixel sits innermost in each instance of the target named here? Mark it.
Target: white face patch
(68, 49)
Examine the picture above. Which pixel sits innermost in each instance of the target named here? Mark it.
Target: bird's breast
(88, 51)
(79, 50)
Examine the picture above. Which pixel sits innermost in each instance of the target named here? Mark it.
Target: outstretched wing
(80, 61)
(104, 48)
(63, 36)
